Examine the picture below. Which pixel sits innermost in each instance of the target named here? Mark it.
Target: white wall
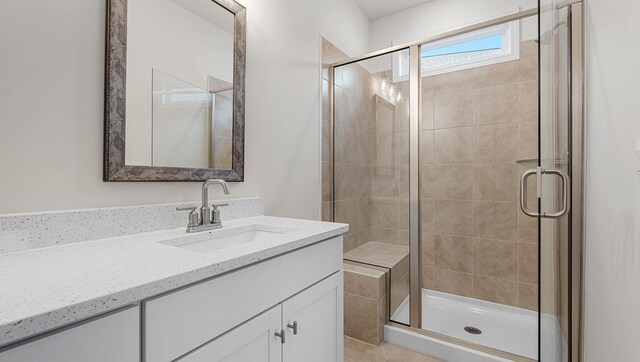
(51, 105)
(612, 275)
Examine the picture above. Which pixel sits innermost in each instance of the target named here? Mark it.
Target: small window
(488, 46)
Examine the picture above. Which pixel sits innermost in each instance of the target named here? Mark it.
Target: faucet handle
(216, 206)
(215, 213)
(187, 208)
(193, 215)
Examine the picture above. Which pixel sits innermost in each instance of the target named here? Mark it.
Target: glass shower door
(558, 155)
(371, 185)
(478, 133)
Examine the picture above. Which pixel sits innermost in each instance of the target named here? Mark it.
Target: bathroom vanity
(142, 284)
(258, 289)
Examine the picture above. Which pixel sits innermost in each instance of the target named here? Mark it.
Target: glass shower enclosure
(456, 161)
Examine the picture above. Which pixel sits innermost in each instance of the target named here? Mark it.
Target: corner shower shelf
(526, 161)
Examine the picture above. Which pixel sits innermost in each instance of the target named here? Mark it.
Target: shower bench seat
(376, 283)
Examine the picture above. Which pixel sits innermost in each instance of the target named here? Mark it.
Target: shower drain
(472, 330)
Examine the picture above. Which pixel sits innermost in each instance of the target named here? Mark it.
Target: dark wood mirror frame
(115, 105)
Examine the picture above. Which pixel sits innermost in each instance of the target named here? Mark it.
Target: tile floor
(357, 351)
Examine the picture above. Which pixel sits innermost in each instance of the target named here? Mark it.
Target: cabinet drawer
(180, 322)
(115, 337)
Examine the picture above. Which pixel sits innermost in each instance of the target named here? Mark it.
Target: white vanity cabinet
(285, 308)
(114, 337)
(309, 321)
(305, 284)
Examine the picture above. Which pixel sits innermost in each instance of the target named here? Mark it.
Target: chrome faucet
(208, 219)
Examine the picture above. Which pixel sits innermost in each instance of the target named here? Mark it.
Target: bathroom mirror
(174, 97)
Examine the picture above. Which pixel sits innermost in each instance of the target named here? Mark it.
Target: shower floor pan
(510, 329)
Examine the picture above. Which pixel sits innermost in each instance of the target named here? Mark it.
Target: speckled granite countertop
(47, 288)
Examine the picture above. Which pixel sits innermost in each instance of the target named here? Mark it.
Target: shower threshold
(502, 327)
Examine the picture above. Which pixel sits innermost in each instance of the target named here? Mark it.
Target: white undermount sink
(208, 241)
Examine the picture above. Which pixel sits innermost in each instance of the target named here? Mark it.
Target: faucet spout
(205, 211)
(205, 189)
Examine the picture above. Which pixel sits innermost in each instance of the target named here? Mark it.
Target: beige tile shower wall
(476, 124)
(390, 179)
(330, 54)
(353, 149)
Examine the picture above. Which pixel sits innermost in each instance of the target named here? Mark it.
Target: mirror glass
(179, 84)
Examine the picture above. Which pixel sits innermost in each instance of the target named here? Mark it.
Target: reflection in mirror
(221, 156)
(179, 89)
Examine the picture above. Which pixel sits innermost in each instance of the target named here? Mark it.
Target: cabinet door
(317, 312)
(115, 337)
(253, 341)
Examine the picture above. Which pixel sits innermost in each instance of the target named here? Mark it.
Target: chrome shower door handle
(565, 194)
(524, 192)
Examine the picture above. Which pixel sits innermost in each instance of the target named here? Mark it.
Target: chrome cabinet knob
(281, 335)
(293, 326)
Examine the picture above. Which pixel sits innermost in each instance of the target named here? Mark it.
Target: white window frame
(510, 44)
